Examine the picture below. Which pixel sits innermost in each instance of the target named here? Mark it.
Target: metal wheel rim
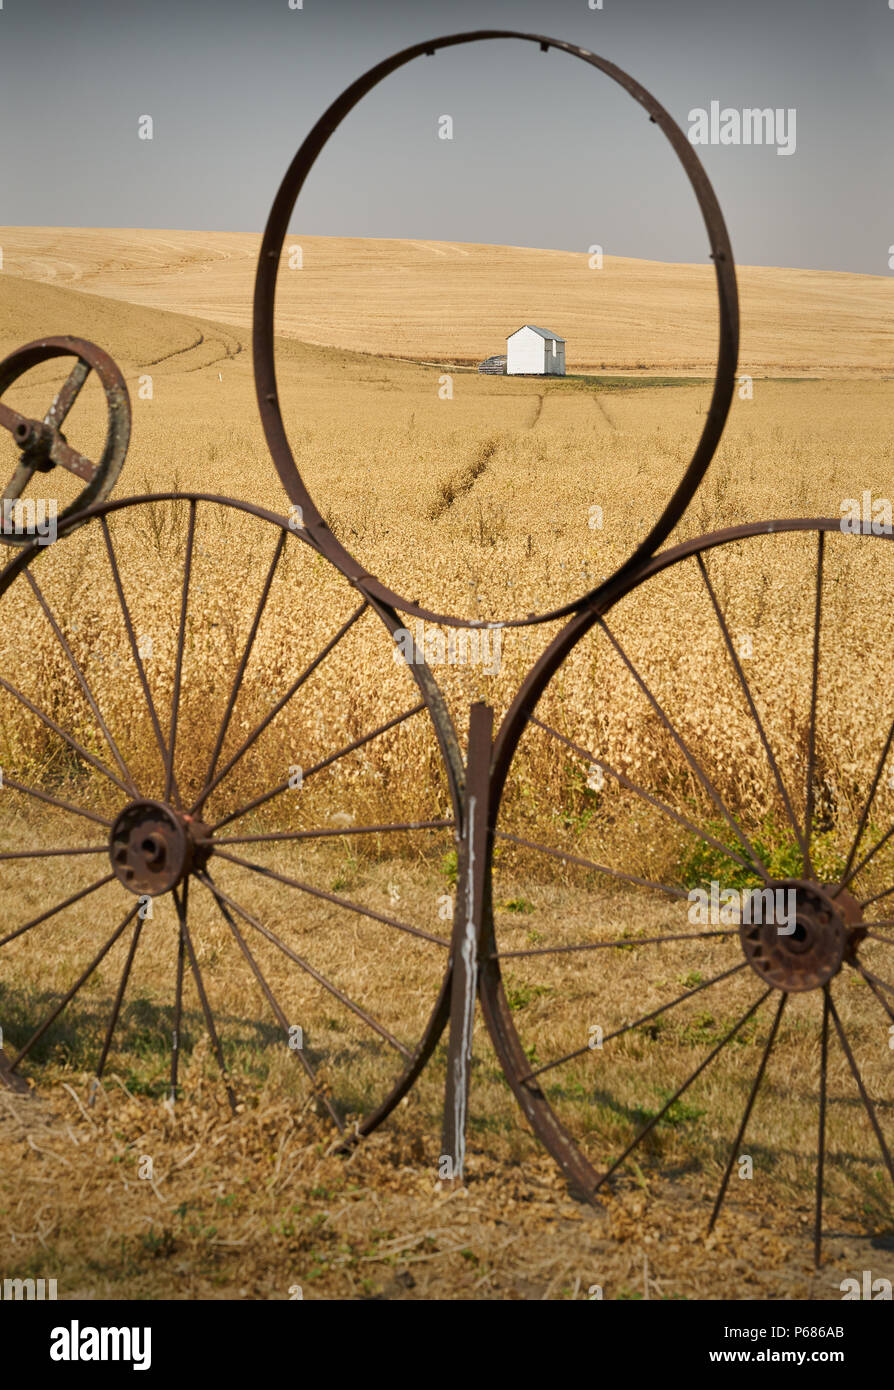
(264, 310)
(431, 702)
(584, 1178)
(114, 387)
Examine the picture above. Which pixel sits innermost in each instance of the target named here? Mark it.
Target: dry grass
(254, 1208)
(480, 505)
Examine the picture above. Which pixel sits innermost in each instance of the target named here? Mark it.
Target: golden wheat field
(479, 501)
(456, 302)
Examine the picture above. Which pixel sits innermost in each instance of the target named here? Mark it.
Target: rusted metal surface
(828, 928)
(154, 847)
(281, 217)
(808, 956)
(42, 444)
(10, 1079)
(472, 886)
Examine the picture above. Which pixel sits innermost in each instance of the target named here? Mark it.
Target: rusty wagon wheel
(199, 794)
(688, 952)
(42, 445)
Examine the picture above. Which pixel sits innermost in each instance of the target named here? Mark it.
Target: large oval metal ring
(263, 334)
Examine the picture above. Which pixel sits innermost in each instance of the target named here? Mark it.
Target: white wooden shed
(532, 351)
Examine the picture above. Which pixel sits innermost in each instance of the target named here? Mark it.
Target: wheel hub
(801, 949)
(153, 847)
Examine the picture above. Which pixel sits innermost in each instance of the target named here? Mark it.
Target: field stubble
(481, 504)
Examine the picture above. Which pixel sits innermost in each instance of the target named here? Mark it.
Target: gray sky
(546, 152)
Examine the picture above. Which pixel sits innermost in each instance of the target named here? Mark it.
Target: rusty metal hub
(804, 950)
(153, 847)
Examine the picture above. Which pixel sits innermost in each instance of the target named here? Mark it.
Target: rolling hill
(448, 302)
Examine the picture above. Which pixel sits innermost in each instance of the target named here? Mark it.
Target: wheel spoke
(178, 1015)
(858, 868)
(268, 719)
(864, 1094)
(81, 980)
(275, 1007)
(334, 898)
(68, 738)
(20, 480)
(647, 1129)
(814, 688)
(688, 755)
(56, 801)
(51, 911)
(864, 814)
(874, 979)
(821, 1137)
(309, 969)
(68, 458)
(318, 767)
(626, 942)
(637, 1023)
(871, 982)
(646, 796)
(67, 395)
(590, 864)
(52, 853)
(82, 682)
(181, 640)
(180, 900)
(277, 835)
(877, 897)
(119, 997)
(748, 1109)
(237, 683)
(803, 843)
(135, 651)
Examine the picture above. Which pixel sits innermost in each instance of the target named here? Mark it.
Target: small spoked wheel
(224, 811)
(42, 444)
(697, 817)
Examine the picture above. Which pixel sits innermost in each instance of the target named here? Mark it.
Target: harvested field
(480, 504)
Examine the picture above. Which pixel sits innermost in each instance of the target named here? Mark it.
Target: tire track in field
(602, 410)
(227, 353)
(458, 483)
(177, 352)
(558, 409)
(226, 356)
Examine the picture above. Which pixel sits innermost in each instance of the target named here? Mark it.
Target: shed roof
(543, 332)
